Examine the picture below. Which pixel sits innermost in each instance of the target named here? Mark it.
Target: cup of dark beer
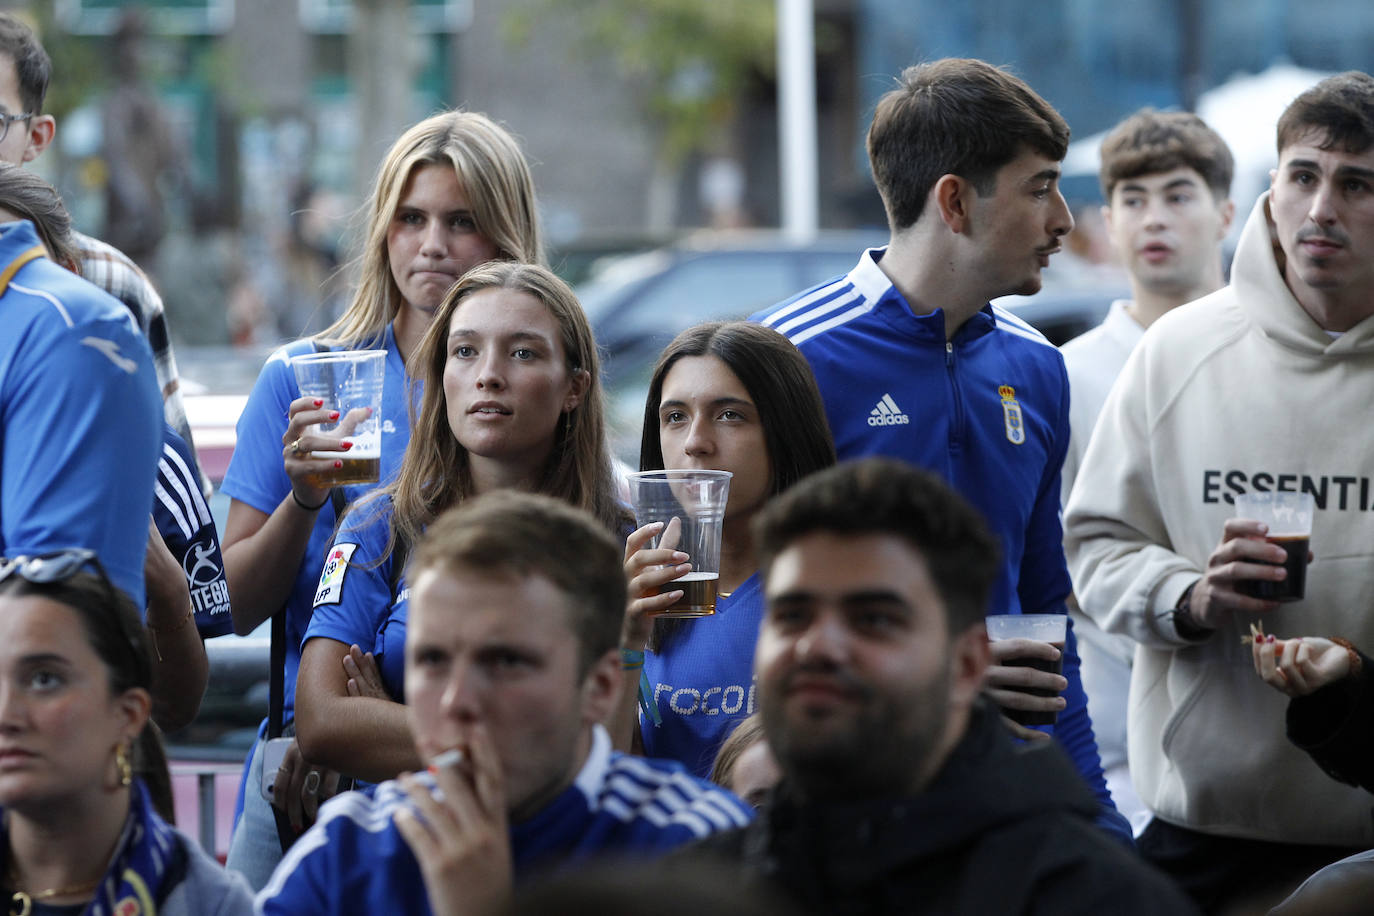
(350, 382)
(1289, 519)
(1048, 628)
(691, 505)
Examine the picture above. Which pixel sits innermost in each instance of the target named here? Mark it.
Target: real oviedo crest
(1011, 412)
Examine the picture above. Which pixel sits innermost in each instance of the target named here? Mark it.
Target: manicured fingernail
(333, 415)
(1269, 638)
(337, 465)
(319, 402)
(345, 445)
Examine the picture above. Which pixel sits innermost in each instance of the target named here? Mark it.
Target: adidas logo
(887, 413)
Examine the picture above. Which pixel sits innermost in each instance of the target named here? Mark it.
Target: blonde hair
(435, 474)
(496, 180)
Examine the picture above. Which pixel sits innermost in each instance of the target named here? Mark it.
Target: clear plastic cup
(349, 381)
(691, 505)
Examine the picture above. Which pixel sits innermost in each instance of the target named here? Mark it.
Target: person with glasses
(453, 192)
(25, 133)
(80, 832)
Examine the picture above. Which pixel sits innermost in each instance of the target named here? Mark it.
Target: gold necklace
(21, 904)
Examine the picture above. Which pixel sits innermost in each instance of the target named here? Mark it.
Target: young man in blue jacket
(512, 661)
(914, 362)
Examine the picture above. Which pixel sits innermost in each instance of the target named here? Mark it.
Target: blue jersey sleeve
(82, 421)
(307, 881)
(187, 528)
(256, 475)
(354, 594)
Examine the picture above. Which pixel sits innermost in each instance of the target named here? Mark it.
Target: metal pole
(797, 119)
(205, 786)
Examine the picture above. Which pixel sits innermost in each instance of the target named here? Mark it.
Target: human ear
(134, 706)
(601, 687)
(1227, 209)
(951, 198)
(577, 388)
(969, 659)
(42, 128)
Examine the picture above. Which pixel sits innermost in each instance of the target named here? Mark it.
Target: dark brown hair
(884, 496)
(1339, 110)
(1150, 142)
(32, 65)
(955, 117)
(29, 197)
(778, 380)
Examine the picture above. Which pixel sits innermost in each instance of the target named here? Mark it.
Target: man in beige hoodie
(1263, 385)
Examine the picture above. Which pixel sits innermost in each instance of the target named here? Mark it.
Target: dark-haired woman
(732, 397)
(80, 834)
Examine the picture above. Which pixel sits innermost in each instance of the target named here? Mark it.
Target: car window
(708, 287)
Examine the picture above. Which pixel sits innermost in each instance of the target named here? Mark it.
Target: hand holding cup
(1026, 676)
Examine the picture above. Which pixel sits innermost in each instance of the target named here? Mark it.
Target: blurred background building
(229, 141)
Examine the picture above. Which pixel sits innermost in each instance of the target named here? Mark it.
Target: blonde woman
(512, 400)
(452, 193)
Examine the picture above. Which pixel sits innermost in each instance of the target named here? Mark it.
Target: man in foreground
(901, 789)
(512, 657)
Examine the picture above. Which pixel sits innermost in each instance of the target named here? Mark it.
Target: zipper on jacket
(956, 424)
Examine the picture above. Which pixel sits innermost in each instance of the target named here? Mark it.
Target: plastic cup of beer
(1050, 628)
(350, 382)
(691, 506)
(1289, 518)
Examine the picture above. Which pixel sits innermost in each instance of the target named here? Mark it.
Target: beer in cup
(1050, 628)
(691, 506)
(350, 382)
(1289, 518)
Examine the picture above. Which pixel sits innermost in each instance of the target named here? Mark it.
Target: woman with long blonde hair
(512, 399)
(453, 192)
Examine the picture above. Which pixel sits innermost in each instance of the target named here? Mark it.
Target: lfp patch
(332, 577)
(1011, 412)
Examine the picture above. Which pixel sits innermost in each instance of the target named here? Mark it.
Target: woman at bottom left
(80, 833)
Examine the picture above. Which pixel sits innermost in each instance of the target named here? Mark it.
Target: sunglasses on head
(54, 566)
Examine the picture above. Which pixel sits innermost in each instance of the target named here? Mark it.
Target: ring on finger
(296, 449)
(312, 782)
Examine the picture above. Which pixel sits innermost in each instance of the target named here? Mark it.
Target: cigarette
(449, 758)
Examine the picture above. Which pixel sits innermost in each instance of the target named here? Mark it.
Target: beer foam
(695, 577)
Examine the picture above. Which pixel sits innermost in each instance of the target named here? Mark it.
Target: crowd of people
(478, 704)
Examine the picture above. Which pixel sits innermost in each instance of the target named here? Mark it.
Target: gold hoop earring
(126, 771)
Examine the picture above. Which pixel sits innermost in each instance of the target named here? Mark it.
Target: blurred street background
(226, 145)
